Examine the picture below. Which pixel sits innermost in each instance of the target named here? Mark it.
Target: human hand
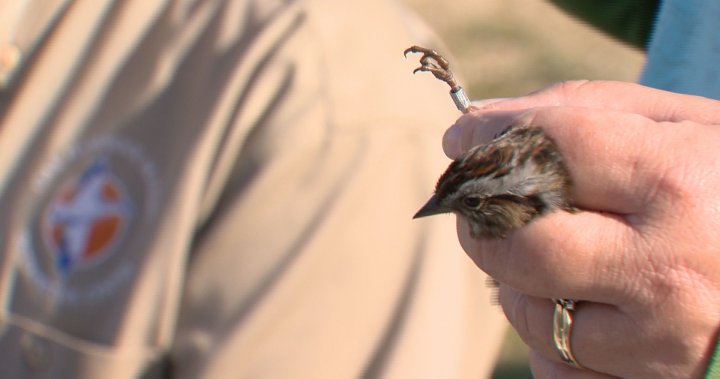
(643, 256)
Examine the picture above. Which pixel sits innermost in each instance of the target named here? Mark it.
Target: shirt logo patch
(86, 218)
(90, 224)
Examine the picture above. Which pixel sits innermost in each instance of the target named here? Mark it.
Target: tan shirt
(225, 188)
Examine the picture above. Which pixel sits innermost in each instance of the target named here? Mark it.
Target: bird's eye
(472, 201)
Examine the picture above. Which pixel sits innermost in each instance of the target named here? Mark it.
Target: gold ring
(562, 330)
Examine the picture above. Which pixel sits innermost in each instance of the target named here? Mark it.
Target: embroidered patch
(77, 247)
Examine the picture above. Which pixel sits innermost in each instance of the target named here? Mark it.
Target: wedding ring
(562, 330)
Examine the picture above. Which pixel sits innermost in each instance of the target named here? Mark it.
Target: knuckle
(670, 183)
(567, 89)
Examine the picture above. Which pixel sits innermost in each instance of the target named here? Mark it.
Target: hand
(643, 256)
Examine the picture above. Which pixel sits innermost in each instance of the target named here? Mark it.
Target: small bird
(504, 184)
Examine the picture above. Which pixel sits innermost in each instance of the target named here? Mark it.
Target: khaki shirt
(200, 188)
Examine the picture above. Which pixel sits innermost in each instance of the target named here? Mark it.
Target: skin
(643, 254)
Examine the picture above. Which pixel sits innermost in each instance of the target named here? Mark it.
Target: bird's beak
(432, 207)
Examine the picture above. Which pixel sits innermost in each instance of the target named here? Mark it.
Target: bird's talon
(432, 61)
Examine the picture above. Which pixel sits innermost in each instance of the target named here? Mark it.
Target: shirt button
(36, 352)
(10, 56)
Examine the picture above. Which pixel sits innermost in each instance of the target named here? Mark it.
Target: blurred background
(503, 48)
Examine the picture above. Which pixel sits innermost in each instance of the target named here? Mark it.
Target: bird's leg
(431, 61)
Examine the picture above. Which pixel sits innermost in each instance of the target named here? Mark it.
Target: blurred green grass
(505, 48)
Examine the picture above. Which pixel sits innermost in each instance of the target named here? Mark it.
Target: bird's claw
(431, 61)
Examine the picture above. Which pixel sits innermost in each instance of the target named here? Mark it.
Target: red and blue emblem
(86, 218)
(92, 212)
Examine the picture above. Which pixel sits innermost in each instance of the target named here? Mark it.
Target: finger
(543, 368)
(601, 336)
(614, 158)
(540, 260)
(473, 128)
(624, 97)
(627, 97)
